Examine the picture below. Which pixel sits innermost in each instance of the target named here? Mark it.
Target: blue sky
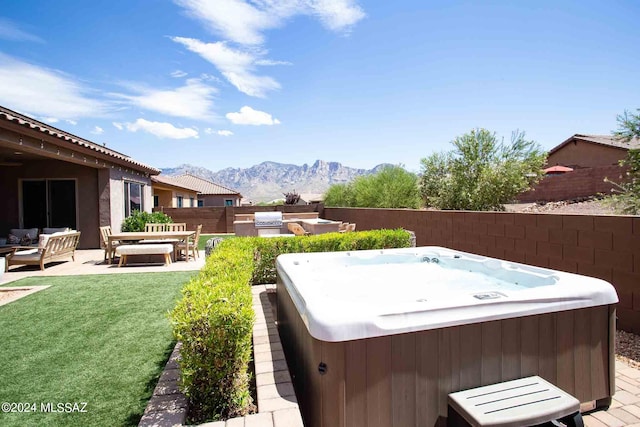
(230, 83)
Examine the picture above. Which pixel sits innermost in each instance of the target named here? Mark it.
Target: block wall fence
(606, 247)
(579, 183)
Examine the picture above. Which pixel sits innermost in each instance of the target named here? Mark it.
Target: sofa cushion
(26, 240)
(12, 239)
(21, 232)
(54, 230)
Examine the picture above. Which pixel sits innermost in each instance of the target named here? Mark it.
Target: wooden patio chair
(105, 232)
(190, 245)
(176, 226)
(297, 229)
(153, 227)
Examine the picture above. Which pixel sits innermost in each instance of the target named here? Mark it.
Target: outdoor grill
(268, 222)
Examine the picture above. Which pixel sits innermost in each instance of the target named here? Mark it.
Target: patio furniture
(348, 228)
(523, 402)
(105, 232)
(57, 246)
(160, 237)
(176, 226)
(297, 229)
(320, 226)
(150, 249)
(151, 227)
(190, 244)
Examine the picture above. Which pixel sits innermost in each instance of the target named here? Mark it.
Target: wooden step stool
(524, 402)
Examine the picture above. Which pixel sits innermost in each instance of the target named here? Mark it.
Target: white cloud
(50, 119)
(72, 122)
(235, 65)
(210, 131)
(118, 126)
(178, 74)
(249, 116)
(245, 22)
(44, 92)
(194, 100)
(10, 31)
(97, 130)
(161, 129)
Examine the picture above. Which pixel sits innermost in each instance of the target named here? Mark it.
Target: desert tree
(481, 172)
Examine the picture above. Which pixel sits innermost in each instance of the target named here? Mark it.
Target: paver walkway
(625, 407)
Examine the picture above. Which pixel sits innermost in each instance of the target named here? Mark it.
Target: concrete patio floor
(624, 410)
(91, 261)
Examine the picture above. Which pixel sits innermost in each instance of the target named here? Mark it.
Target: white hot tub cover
(354, 295)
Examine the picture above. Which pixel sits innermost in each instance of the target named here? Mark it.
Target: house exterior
(52, 178)
(169, 193)
(210, 193)
(581, 166)
(589, 151)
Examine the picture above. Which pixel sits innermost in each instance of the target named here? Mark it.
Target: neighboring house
(588, 151)
(169, 193)
(578, 167)
(210, 193)
(309, 198)
(51, 178)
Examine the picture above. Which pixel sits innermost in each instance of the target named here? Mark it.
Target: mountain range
(270, 180)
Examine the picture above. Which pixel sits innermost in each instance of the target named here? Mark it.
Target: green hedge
(138, 219)
(214, 319)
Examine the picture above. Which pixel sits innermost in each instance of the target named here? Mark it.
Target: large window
(192, 202)
(180, 201)
(48, 203)
(133, 197)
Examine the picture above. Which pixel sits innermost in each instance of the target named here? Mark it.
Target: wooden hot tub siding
(403, 380)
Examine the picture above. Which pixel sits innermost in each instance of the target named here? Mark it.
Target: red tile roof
(203, 186)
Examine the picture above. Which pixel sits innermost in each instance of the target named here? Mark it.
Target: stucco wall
(117, 178)
(87, 196)
(214, 200)
(586, 155)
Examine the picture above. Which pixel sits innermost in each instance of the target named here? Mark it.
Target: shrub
(137, 220)
(214, 319)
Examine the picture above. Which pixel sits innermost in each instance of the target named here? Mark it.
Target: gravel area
(587, 207)
(628, 348)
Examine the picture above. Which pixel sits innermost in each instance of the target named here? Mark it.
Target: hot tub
(379, 338)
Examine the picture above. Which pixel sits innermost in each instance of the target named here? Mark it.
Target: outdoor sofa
(51, 247)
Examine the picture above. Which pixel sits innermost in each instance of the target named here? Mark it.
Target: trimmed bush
(137, 220)
(214, 319)
(267, 250)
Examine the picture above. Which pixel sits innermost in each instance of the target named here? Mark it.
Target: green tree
(481, 173)
(628, 201)
(392, 187)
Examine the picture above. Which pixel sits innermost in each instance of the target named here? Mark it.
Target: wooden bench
(524, 402)
(57, 247)
(146, 249)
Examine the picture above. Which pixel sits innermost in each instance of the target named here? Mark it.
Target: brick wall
(606, 247)
(579, 183)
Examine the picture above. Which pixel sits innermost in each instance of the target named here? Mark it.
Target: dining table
(155, 236)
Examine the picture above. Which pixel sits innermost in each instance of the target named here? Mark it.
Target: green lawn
(204, 237)
(100, 339)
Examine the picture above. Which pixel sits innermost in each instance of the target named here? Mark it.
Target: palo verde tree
(481, 173)
(391, 187)
(628, 199)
